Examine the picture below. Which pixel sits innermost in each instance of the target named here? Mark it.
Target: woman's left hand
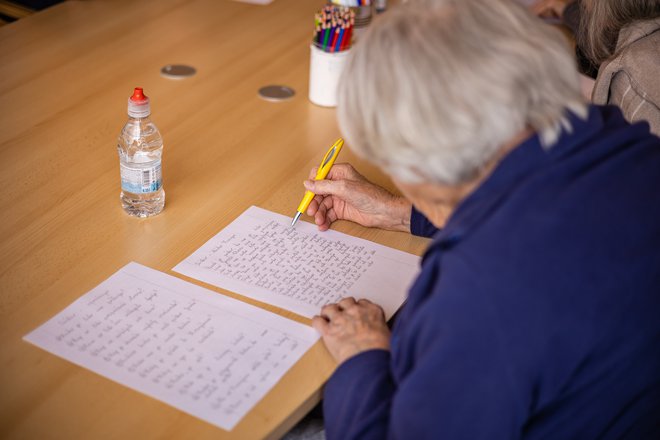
(351, 327)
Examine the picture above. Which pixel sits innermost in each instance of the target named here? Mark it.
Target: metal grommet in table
(177, 71)
(276, 93)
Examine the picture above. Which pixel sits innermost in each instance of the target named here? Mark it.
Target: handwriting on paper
(208, 355)
(307, 268)
(300, 269)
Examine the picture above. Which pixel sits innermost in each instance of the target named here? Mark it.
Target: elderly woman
(535, 314)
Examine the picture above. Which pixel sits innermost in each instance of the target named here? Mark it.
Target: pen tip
(295, 218)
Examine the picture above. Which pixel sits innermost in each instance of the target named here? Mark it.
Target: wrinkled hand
(351, 327)
(347, 195)
(550, 8)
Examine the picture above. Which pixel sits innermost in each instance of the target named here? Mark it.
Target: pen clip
(328, 156)
(332, 153)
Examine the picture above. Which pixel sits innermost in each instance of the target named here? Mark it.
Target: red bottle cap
(138, 94)
(138, 104)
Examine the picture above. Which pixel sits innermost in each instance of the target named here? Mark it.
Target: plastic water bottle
(140, 148)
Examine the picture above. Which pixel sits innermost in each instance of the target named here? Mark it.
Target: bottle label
(141, 180)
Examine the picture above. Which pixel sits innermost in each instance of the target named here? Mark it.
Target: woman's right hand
(345, 194)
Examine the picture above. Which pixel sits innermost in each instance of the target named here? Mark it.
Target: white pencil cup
(325, 69)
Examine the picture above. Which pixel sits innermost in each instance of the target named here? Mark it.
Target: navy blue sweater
(536, 314)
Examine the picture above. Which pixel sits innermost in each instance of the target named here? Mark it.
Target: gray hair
(432, 92)
(602, 20)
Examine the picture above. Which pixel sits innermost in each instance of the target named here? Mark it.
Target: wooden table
(65, 75)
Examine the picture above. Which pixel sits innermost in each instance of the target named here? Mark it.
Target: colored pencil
(341, 37)
(325, 38)
(334, 39)
(333, 27)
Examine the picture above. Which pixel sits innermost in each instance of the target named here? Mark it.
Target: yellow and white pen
(324, 169)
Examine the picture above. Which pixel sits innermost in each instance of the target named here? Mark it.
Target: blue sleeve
(420, 225)
(453, 380)
(366, 375)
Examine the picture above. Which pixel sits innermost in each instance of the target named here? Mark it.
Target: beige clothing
(631, 79)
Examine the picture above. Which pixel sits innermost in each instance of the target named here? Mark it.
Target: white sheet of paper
(261, 256)
(206, 354)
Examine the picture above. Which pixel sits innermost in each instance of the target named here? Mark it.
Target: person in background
(535, 313)
(621, 38)
(567, 11)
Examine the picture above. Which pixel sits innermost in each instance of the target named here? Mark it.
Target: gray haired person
(534, 314)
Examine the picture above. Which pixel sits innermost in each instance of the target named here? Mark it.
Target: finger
(324, 226)
(347, 303)
(327, 203)
(329, 212)
(312, 173)
(325, 215)
(314, 204)
(360, 307)
(320, 215)
(340, 171)
(327, 187)
(320, 324)
(329, 218)
(330, 311)
(371, 306)
(313, 207)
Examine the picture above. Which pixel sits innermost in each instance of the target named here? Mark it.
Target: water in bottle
(140, 148)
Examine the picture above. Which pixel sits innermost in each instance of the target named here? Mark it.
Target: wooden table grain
(65, 75)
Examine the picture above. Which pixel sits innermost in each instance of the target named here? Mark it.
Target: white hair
(432, 91)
